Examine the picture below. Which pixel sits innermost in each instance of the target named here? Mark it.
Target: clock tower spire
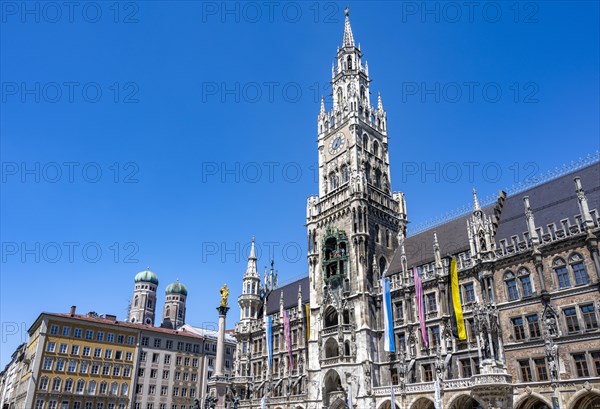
(353, 222)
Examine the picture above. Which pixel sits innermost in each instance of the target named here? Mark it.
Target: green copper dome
(146, 276)
(176, 288)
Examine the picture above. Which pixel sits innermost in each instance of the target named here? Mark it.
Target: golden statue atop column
(224, 295)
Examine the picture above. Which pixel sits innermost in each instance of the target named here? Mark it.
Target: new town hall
(528, 270)
(529, 280)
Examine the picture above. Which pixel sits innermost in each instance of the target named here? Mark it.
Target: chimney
(73, 308)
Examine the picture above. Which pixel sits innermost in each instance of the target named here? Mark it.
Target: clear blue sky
(190, 91)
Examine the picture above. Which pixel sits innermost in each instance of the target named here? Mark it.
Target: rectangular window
(54, 330)
(186, 361)
(120, 339)
(110, 337)
(427, 373)
(431, 303)
(97, 352)
(128, 356)
(60, 365)
(106, 370)
(72, 366)
(563, 277)
(435, 336)
(581, 365)
(119, 355)
(47, 364)
(164, 390)
(145, 341)
(62, 349)
(51, 347)
(180, 346)
(165, 375)
(196, 348)
(596, 361)
(399, 311)
(39, 404)
(74, 349)
(141, 372)
(155, 358)
(77, 333)
(152, 389)
(571, 320)
(116, 371)
(518, 328)
(534, 326)
(167, 359)
(195, 362)
(589, 316)
(580, 274)
(89, 334)
(131, 340)
(465, 365)
(469, 293)
(188, 347)
(153, 373)
(126, 371)
(169, 344)
(108, 354)
(540, 369)
(83, 368)
(511, 286)
(157, 342)
(143, 356)
(100, 336)
(86, 351)
(525, 370)
(95, 369)
(178, 361)
(66, 331)
(526, 285)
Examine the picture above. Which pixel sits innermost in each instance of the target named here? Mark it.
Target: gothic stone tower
(352, 227)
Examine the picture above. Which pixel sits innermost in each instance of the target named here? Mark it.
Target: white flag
(393, 395)
(438, 394)
(350, 397)
(263, 403)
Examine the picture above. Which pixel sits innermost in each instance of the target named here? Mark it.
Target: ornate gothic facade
(529, 275)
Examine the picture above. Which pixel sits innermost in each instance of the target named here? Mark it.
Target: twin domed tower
(143, 303)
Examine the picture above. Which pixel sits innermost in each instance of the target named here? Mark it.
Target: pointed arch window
(378, 178)
(365, 142)
(349, 62)
(340, 96)
(382, 265)
(510, 281)
(562, 274)
(363, 93)
(578, 267)
(44, 383)
(376, 233)
(376, 148)
(56, 383)
(136, 301)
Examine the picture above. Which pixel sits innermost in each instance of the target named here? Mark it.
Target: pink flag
(286, 331)
(420, 306)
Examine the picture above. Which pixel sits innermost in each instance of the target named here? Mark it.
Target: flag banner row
(389, 340)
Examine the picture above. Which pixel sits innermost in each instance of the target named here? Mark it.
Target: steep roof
(550, 202)
(290, 295)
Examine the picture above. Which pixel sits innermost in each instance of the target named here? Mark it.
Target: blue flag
(389, 341)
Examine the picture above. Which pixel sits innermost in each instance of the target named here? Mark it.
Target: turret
(143, 303)
(249, 300)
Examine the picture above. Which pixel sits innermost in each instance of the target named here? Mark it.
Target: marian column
(218, 385)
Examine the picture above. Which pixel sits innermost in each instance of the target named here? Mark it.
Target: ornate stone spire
(476, 206)
(530, 221)
(322, 111)
(251, 269)
(348, 40)
(379, 103)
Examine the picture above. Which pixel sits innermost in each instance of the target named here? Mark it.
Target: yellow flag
(458, 314)
(307, 307)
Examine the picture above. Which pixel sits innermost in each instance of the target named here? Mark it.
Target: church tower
(352, 225)
(174, 310)
(143, 303)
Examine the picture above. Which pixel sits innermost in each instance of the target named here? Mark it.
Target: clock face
(337, 143)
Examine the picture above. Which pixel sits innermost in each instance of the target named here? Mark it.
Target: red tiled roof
(124, 324)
